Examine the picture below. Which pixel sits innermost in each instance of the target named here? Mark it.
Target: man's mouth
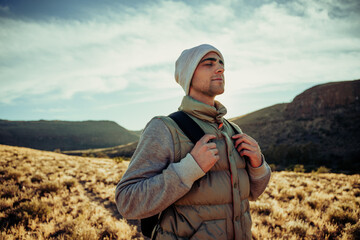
(217, 79)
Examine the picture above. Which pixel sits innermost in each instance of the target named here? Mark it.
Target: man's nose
(220, 68)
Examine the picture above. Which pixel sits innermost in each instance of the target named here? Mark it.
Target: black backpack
(193, 131)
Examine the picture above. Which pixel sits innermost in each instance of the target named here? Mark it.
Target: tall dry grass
(45, 195)
(308, 206)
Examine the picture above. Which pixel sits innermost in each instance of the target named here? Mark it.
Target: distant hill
(321, 126)
(64, 135)
(126, 150)
(137, 133)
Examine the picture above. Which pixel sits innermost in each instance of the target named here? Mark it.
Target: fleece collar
(203, 111)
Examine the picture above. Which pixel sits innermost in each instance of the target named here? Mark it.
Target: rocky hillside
(326, 99)
(321, 126)
(64, 135)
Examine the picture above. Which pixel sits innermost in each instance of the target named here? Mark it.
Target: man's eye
(209, 64)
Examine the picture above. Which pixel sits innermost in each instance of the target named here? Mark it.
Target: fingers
(254, 158)
(245, 146)
(240, 138)
(215, 151)
(248, 148)
(206, 138)
(205, 153)
(244, 136)
(211, 145)
(204, 141)
(247, 153)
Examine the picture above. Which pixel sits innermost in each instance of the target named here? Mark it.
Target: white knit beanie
(187, 62)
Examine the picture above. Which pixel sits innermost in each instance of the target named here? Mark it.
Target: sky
(115, 60)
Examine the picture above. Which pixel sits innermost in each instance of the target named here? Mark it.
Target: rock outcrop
(321, 100)
(321, 126)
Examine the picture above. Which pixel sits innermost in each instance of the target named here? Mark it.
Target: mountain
(321, 126)
(64, 135)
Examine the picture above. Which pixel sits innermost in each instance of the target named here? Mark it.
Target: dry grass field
(308, 206)
(46, 195)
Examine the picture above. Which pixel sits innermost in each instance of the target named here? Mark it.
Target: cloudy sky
(114, 60)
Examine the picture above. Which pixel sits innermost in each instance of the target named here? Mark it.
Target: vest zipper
(232, 190)
(218, 129)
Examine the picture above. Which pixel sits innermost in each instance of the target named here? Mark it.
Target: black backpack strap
(148, 224)
(236, 131)
(232, 126)
(191, 129)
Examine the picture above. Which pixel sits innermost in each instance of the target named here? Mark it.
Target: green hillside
(64, 135)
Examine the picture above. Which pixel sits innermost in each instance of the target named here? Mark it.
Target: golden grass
(308, 206)
(46, 195)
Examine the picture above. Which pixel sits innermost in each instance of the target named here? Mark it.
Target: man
(202, 191)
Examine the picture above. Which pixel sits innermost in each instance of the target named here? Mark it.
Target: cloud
(52, 110)
(293, 42)
(133, 47)
(4, 9)
(98, 55)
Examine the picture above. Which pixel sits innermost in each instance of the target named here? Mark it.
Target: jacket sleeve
(259, 179)
(153, 181)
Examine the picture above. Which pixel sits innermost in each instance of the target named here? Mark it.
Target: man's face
(208, 79)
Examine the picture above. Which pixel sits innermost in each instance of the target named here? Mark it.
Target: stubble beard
(215, 90)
